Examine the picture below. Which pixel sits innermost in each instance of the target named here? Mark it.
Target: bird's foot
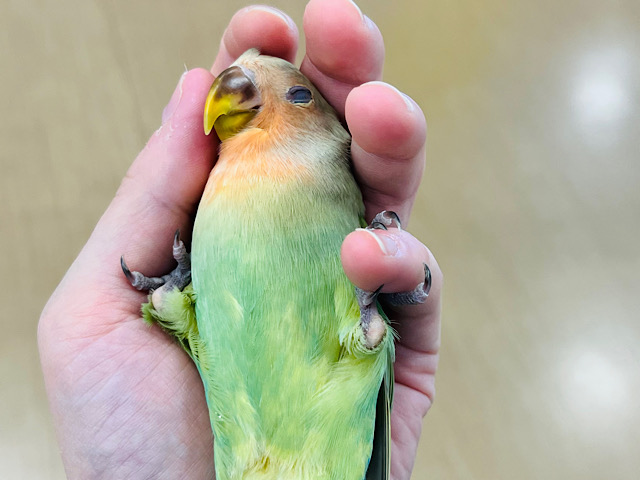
(385, 219)
(179, 278)
(373, 326)
(382, 221)
(372, 323)
(415, 296)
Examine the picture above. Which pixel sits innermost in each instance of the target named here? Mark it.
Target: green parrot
(297, 363)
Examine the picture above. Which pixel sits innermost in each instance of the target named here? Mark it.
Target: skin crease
(126, 401)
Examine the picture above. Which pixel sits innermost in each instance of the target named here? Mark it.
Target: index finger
(344, 49)
(259, 26)
(345, 56)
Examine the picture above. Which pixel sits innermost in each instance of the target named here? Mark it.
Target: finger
(266, 28)
(344, 49)
(395, 259)
(158, 195)
(388, 147)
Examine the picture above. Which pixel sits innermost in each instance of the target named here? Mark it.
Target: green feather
(290, 387)
(292, 390)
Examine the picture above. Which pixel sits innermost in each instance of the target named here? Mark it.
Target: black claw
(180, 253)
(178, 278)
(378, 226)
(366, 298)
(125, 269)
(415, 296)
(395, 216)
(427, 279)
(385, 219)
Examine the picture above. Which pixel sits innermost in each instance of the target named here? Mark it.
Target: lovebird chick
(297, 363)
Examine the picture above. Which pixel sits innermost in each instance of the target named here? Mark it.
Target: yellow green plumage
(291, 386)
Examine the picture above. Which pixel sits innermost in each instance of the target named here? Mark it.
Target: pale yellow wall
(531, 202)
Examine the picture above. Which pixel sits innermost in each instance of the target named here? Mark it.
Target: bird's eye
(299, 94)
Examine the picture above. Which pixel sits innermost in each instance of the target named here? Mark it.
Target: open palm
(127, 401)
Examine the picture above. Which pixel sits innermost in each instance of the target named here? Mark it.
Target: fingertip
(388, 146)
(194, 86)
(384, 121)
(196, 81)
(362, 258)
(182, 134)
(259, 26)
(393, 258)
(172, 169)
(343, 43)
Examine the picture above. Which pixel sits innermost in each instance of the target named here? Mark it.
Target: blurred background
(531, 203)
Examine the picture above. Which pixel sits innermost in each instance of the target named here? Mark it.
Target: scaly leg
(372, 323)
(179, 278)
(415, 296)
(172, 300)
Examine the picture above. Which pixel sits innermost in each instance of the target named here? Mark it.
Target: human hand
(127, 402)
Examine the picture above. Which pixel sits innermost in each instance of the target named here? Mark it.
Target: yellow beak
(232, 102)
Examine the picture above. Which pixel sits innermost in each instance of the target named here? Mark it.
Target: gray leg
(179, 278)
(373, 325)
(415, 296)
(382, 221)
(139, 281)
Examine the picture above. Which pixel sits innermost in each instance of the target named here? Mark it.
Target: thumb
(158, 195)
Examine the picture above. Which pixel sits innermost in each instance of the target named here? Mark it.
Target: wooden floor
(531, 202)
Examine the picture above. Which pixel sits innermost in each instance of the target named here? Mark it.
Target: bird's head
(268, 93)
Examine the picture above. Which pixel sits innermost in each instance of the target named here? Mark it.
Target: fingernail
(368, 22)
(273, 11)
(358, 10)
(172, 106)
(365, 20)
(386, 242)
(411, 106)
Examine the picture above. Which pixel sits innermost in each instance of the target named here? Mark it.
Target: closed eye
(299, 95)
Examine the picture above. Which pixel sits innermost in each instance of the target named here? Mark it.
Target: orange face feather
(264, 132)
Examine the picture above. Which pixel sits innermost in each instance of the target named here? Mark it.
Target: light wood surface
(531, 202)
